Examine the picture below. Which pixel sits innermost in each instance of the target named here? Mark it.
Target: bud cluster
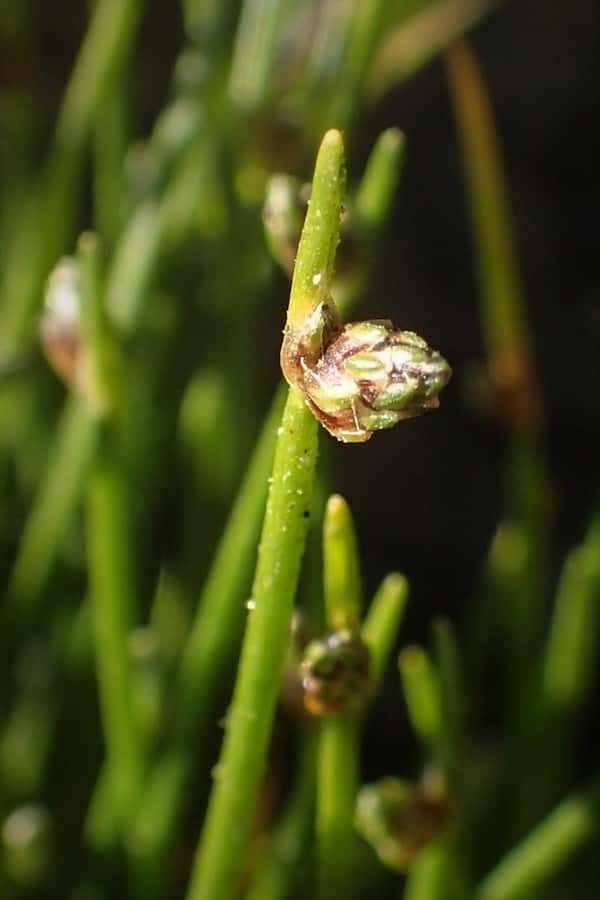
(334, 671)
(362, 377)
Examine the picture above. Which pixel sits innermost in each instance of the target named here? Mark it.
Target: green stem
(531, 864)
(451, 696)
(51, 512)
(109, 559)
(337, 785)
(221, 854)
(318, 244)
(338, 760)
(382, 621)
(377, 188)
(255, 47)
(420, 683)
(112, 601)
(367, 23)
(341, 570)
(220, 858)
(569, 656)
(110, 142)
(502, 306)
(428, 876)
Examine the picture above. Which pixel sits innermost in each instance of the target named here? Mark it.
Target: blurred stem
(109, 562)
(503, 312)
(420, 683)
(451, 697)
(531, 864)
(382, 621)
(110, 143)
(373, 203)
(428, 875)
(366, 28)
(569, 658)
(220, 857)
(376, 191)
(256, 43)
(285, 855)
(52, 509)
(44, 229)
(111, 595)
(425, 28)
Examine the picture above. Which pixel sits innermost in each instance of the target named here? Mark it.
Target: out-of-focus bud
(60, 325)
(399, 818)
(368, 376)
(62, 335)
(283, 213)
(335, 671)
(26, 844)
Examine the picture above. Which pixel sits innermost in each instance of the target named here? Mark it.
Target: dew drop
(251, 603)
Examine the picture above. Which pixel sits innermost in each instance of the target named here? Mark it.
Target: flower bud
(399, 818)
(368, 376)
(283, 213)
(335, 670)
(60, 329)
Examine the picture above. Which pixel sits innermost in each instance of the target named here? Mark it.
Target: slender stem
(382, 621)
(112, 601)
(337, 786)
(420, 682)
(502, 306)
(316, 252)
(451, 695)
(110, 142)
(341, 570)
(221, 854)
(255, 48)
(367, 24)
(570, 652)
(51, 511)
(109, 560)
(531, 864)
(220, 858)
(428, 876)
(377, 188)
(338, 761)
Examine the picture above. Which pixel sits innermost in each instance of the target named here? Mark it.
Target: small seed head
(335, 670)
(362, 377)
(399, 818)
